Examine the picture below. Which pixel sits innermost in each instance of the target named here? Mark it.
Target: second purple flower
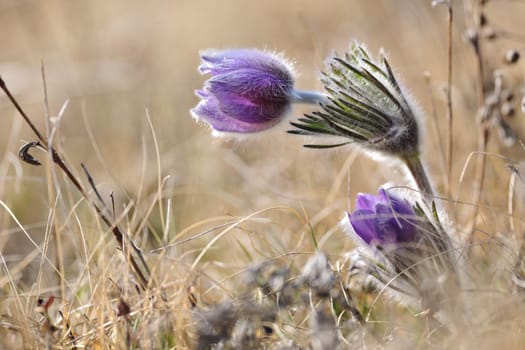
(383, 219)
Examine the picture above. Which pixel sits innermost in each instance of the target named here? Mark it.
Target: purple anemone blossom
(249, 90)
(383, 219)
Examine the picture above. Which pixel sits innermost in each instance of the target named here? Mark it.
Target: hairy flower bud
(249, 91)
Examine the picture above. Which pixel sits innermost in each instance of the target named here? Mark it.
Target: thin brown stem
(55, 230)
(484, 132)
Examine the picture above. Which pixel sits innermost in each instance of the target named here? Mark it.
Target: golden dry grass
(128, 72)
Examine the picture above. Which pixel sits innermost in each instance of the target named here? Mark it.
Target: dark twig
(69, 331)
(112, 203)
(59, 161)
(92, 184)
(24, 154)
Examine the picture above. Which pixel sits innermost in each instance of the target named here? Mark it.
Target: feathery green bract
(365, 103)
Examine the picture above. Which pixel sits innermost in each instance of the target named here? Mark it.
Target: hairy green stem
(418, 172)
(309, 97)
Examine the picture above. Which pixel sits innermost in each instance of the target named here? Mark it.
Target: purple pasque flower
(383, 219)
(249, 90)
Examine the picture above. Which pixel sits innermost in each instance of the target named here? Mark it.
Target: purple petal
(220, 56)
(396, 225)
(250, 112)
(224, 61)
(250, 96)
(383, 195)
(209, 112)
(389, 225)
(364, 225)
(401, 206)
(366, 201)
(252, 83)
(202, 94)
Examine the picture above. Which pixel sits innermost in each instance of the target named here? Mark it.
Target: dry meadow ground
(205, 211)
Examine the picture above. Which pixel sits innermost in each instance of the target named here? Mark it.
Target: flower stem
(419, 174)
(310, 97)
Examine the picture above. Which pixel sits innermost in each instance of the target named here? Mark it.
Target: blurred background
(118, 62)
